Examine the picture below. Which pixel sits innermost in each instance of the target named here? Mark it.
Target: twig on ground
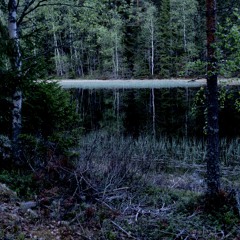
(121, 229)
(106, 205)
(193, 215)
(136, 216)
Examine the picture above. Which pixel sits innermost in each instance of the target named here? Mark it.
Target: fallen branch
(121, 229)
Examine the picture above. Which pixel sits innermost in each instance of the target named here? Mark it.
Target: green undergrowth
(140, 210)
(161, 213)
(123, 188)
(20, 181)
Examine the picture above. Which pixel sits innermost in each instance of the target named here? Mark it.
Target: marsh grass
(157, 154)
(151, 189)
(115, 162)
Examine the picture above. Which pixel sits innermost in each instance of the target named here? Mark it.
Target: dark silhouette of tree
(213, 168)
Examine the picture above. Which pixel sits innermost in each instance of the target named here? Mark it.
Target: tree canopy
(122, 39)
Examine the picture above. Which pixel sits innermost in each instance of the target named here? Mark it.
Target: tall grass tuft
(115, 160)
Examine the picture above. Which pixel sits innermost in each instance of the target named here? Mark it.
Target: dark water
(171, 112)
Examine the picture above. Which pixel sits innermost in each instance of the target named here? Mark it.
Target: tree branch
(42, 3)
(3, 6)
(28, 9)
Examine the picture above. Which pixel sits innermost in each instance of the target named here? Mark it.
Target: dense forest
(123, 38)
(123, 163)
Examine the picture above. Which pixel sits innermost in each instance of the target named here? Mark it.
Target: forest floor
(125, 189)
(143, 83)
(167, 209)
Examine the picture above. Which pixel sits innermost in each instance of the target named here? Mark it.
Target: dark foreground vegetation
(120, 188)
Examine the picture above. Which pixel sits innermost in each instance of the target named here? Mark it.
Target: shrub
(48, 109)
(50, 123)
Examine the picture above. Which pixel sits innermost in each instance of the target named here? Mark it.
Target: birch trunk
(116, 57)
(58, 62)
(186, 114)
(16, 65)
(117, 108)
(153, 114)
(184, 29)
(152, 47)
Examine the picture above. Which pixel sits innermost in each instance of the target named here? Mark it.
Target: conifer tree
(164, 40)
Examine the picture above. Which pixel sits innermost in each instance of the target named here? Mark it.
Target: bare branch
(123, 230)
(28, 9)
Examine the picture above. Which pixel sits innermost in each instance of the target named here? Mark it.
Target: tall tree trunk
(116, 57)
(184, 29)
(152, 46)
(153, 114)
(187, 113)
(213, 168)
(58, 61)
(16, 65)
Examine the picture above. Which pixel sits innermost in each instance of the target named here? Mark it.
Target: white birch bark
(153, 114)
(117, 108)
(186, 114)
(116, 57)
(58, 62)
(16, 65)
(72, 63)
(78, 62)
(150, 34)
(152, 46)
(184, 29)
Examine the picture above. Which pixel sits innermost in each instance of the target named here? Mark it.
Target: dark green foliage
(50, 124)
(228, 46)
(20, 182)
(165, 52)
(229, 116)
(75, 47)
(3, 44)
(50, 121)
(47, 109)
